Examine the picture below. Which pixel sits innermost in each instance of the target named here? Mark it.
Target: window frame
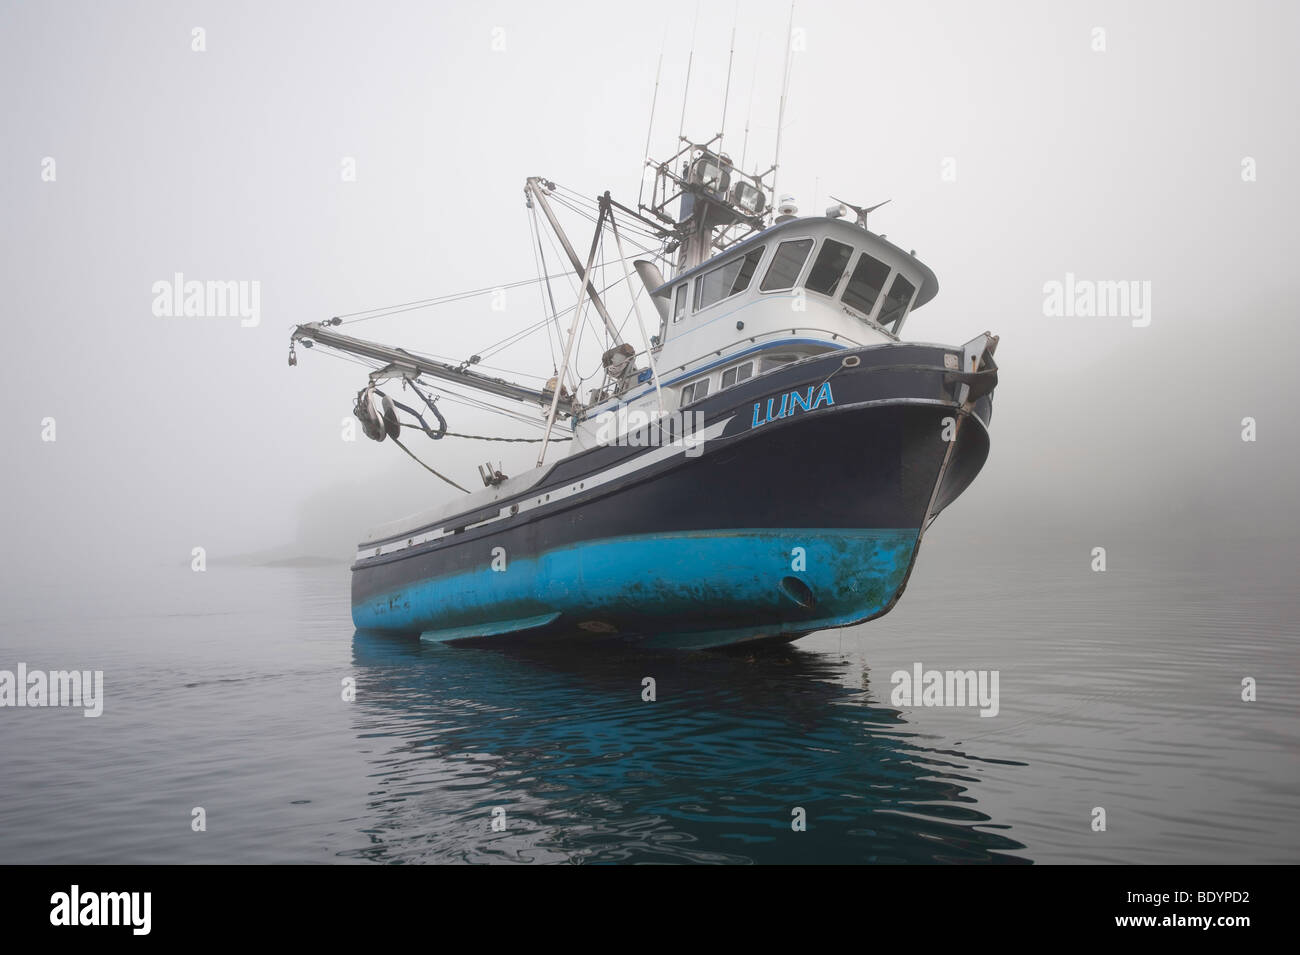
(681, 297)
(890, 272)
(706, 380)
(834, 293)
(697, 283)
(735, 369)
(771, 362)
(894, 275)
(803, 266)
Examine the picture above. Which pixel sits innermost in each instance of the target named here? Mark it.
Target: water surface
(225, 690)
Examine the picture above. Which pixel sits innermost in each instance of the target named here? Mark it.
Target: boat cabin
(799, 287)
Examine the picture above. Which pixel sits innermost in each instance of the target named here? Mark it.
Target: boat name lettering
(786, 404)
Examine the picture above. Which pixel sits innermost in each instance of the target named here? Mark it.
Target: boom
(320, 333)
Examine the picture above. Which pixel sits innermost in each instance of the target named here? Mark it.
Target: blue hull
(686, 590)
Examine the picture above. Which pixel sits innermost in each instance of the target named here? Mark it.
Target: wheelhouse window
(726, 280)
(679, 303)
(694, 391)
(896, 303)
(786, 265)
(733, 376)
(768, 362)
(777, 359)
(829, 267)
(865, 284)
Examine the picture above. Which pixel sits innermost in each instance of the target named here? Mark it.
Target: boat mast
(585, 275)
(537, 188)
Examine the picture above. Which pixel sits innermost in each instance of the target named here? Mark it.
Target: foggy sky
(225, 165)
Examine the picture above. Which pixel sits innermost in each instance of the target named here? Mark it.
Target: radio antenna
(689, 60)
(780, 114)
(726, 92)
(654, 99)
(744, 145)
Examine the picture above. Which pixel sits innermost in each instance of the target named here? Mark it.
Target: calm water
(223, 690)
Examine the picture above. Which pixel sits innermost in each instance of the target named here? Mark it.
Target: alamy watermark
(1086, 298)
(635, 428)
(75, 907)
(921, 687)
(178, 298)
(24, 687)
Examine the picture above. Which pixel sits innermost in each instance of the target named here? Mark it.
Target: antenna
(861, 212)
(650, 127)
(689, 60)
(726, 92)
(780, 114)
(744, 146)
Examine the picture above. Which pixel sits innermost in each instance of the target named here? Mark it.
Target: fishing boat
(762, 465)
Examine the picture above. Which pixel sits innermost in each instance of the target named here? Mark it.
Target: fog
(172, 433)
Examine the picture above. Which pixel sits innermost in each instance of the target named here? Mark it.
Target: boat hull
(776, 526)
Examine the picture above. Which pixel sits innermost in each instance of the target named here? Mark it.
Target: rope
(483, 437)
(427, 468)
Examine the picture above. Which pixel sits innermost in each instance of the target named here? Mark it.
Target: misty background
(173, 433)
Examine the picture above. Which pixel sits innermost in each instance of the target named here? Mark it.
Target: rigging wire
(541, 270)
(550, 293)
(580, 297)
(442, 477)
(589, 209)
(382, 310)
(478, 364)
(581, 206)
(501, 344)
(514, 337)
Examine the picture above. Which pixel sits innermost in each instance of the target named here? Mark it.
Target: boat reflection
(560, 740)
